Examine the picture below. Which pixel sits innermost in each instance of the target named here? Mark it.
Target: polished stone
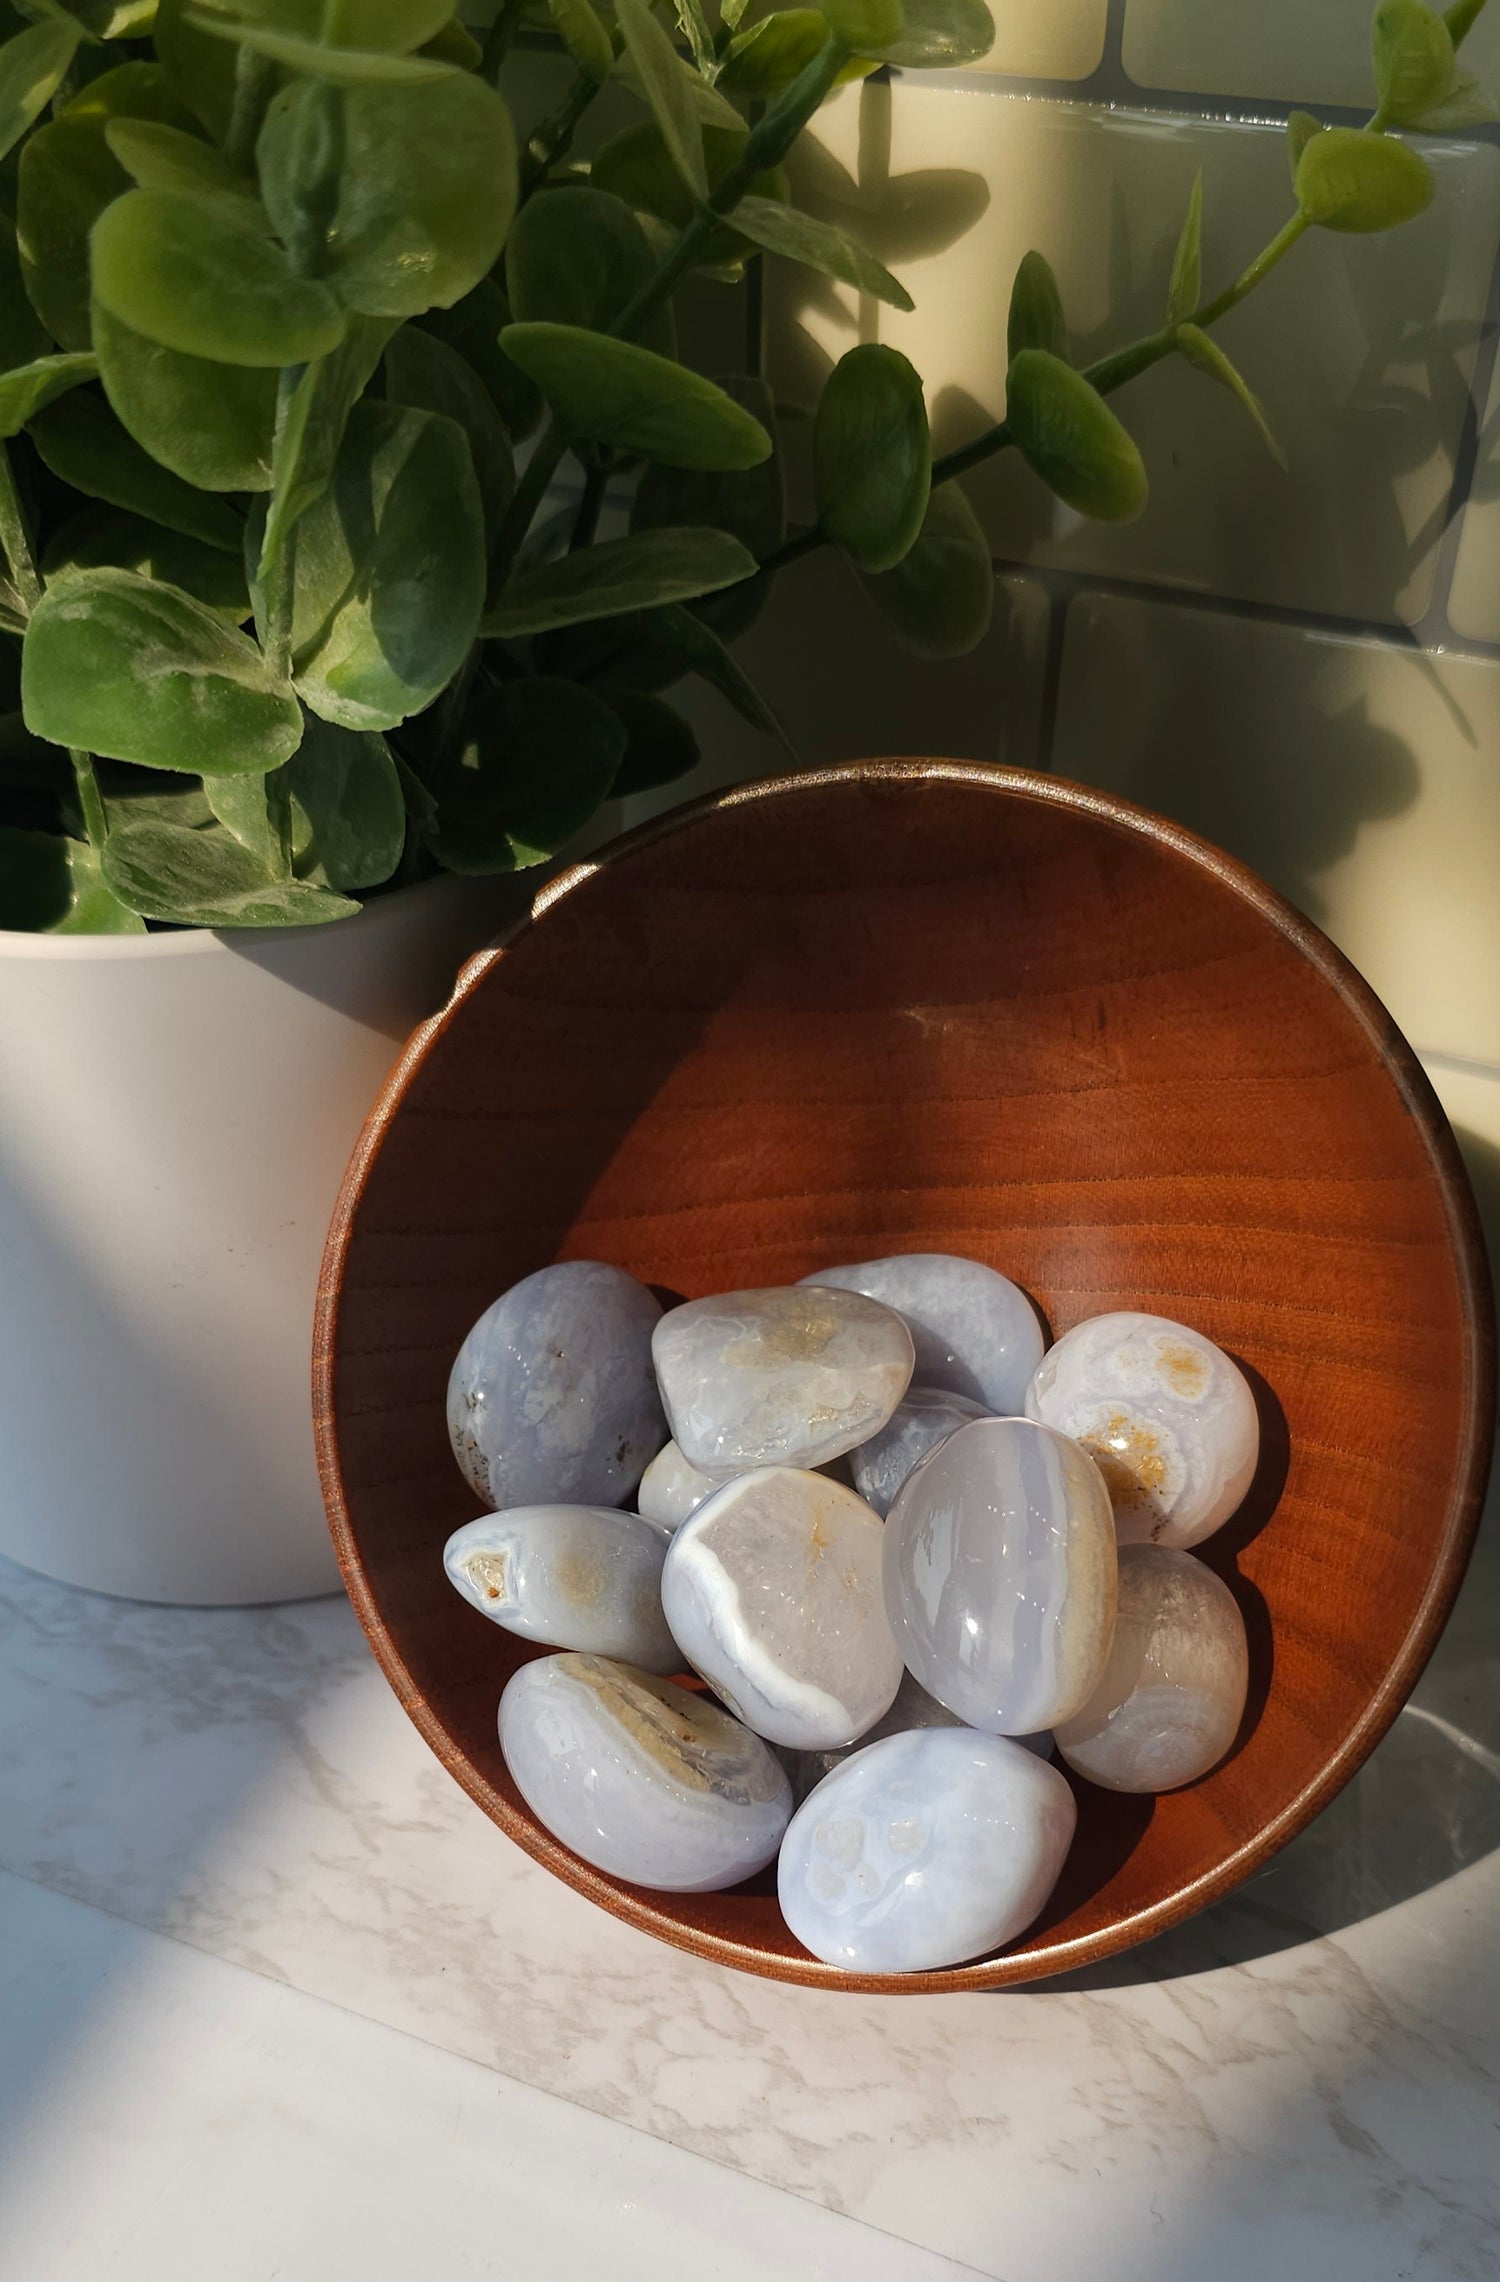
(671, 1489)
(784, 1377)
(773, 1592)
(1000, 1575)
(1168, 1417)
(1173, 1692)
(976, 1333)
(553, 1396)
(924, 1417)
(913, 1708)
(641, 1777)
(924, 1850)
(574, 1576)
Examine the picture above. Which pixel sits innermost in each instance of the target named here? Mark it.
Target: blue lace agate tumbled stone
(923, 1850)
(641, 1777)
(553, 1399)
(975, 1332)
(574, 1576)
(924, 1417)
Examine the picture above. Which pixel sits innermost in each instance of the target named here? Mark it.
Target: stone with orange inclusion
(1166, 1416)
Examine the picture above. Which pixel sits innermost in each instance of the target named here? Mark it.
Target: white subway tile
(1299, 51)
(1361, 348)
(1047, 39)
(1474, 597)
(1358, 777)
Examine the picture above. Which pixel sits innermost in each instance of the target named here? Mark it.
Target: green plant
(279, 296)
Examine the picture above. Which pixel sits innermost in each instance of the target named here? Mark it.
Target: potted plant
(291, 633)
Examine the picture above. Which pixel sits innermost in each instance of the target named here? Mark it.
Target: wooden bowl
(918, 1006)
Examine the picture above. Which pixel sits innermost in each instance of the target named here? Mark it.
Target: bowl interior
(924, 1007)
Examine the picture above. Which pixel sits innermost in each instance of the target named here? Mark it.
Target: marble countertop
(255, 1939)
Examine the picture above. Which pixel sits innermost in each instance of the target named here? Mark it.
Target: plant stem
(15, 537)
(90, 800)
(1106, 375)
(497, 40)
(281, 578)
(553, 139)
(587, 520)
(254, 85)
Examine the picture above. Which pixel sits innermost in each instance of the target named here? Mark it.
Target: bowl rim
(636, 1905)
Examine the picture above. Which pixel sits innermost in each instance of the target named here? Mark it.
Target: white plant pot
(175, 1115)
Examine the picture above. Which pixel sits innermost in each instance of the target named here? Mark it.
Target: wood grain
(920, 1005)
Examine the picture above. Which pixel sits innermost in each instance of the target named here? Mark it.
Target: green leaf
(391, 26)
(1412, 52)
(67, 177)
(637, 166)
(617, 393)
(797, 237)
(584, 37)
(1187, 264)
(27, 387)
(307, 444)
(695, 29)
(1206, 354)
(164, 158)
(866, 26)
(761, 63)
(618, 575)
(1300, 130)
(32, 68)
(100, 537)
(206, 879)
(99, 20)
(427, 189)
(53, 886)
(473, 326)
(660, 746)
(425, 373)
(255, 809)
(23, 336)
(83, 443)
(578, 257)
(1069, 436)
(1461, 19)
(682, 633)
(390, 570)
(212, 424)
(342, 67)
(939, 35)
(872, 455)
(137, 90)
(707, 105)
(750, 503)
(121, 665)
(1349, 179)
(200, 68)
(348, 813)
(537, 758)
(195, 277)
(1465, 105)
(939, 599)
(453, 44)
(662, 78)
(1036, 311)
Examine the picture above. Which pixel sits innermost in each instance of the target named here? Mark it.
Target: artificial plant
(281, 293)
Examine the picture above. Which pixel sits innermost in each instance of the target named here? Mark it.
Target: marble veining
(1309, 2072)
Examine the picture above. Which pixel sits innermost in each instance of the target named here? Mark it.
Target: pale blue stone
(773, 1592)
(671, 1489)
(924, 1417)
(779, 1377)
(573, 1576)
(924, 1850)
(1000, 1575)
(553, 1397)
(1168, 1417)
(976, 1333)
(642, 1778)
